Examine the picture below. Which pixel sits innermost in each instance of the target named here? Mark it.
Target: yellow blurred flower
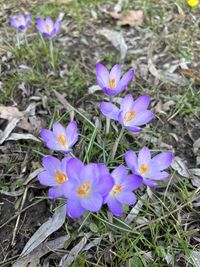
(193, 3)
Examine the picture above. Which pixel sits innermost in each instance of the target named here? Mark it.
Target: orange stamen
(61, 139)
(129, 116)
(60, 177)
(112, 83)
(84, 189)
(48, 28)
(144, 169)
(116, 189)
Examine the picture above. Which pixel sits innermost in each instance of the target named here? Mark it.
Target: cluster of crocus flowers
(45, 26)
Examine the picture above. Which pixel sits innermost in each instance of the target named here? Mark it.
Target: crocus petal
(21, 19)
(134, 129)
(70, 189)
(53, 33)
(142, 103)
(55, 192)
(127, 197)
(92, 202)
(71, 133)
(46, 135)
(115, 74)
(126, 79)
(144, 156)
(102, 75)
(64, 164)
(131, 160)
(74, 167)
(58, 129)
(158, 175)
(50, 23)
(40, 25)
(141, 118)
(14, 22)
(127, 103)
(162, 160)
(58, 25)
(45, 178)
(115, 206)
(90, 173)
(130, 128)
(105, 184)
(131, 182)
(109, 110)
(119, 173)
(149, 183)
(28, 19)
(74, 208)
(51, 164)
(110, 92)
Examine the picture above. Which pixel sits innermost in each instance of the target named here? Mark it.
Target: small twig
(117, 143)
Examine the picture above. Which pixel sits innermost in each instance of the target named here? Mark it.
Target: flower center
(116, 189)
(61, 139)
(48, 28)
(128, 116)
(20, 21)
(84, 189)
(112, 83)
(60, 177)
(144, 169)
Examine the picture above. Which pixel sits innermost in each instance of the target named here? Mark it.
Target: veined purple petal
(71, 133)
(109, 110)
(110, 92)
(144, 156)
(41, 25)
(126, 197)
(58, 129)
(141, 118)
(64, 162)
(126, 79)
(127, 103)
(28, 19)
(115, 206)
(92, 202)
(46, 135)
(105, 184)
(51, 164)
(119, 174)
(74, 208)
(115, 74)
(70, 189)
(134, 129)
(74, 167)
(14, 22)
(162, 160)
(130, 128)
(102, 75)
(131, 160)
(48, 179)
(158, 175)
(149, 183)
(21, 19)
(52, 34)
(50, 23)
(131, 182)
(55, 192)
(90, 173)
(142, 103)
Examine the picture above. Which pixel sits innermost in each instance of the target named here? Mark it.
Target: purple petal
(158, 175)
(55, 192)
(74, 208)
(14, 22)
(109, 110)
(126, 79)
(130, 128)
(141, 118)
(127, 103)
(58, 129)
(71, 133)
(70, 189)
(126, 197)
(149, 183)
(131, 182)
(46, 135)
(142, 103)
(102, 75)
(45, 178)
(103, 169)
(105, 184)
(162, 160)
(51, 164)
(90, 173)
(131, 161)
(119, 174)
(134, 129)
(92, 202)
(58, 25)
(115, 74)
(49, 22)
(144, 156)
(64, 163)
(110, 92)
(21, 19)
(115, 206)
(41, 25)
(53, 33)
(74, 167)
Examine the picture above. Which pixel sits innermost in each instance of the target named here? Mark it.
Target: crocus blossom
(110, 82)
(54, 175)
(20, 22)
(131, 114)
(150, 169)
(47, 27)
(121, 192)
(61, 139)
(87, 187)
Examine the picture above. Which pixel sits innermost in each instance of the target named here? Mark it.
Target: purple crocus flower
(110, 82)
(87, 187)
(20, 22)
(131, 114)
(121, 193)
(150, 169)
(54, 175)
(47, 27)
(61, 139)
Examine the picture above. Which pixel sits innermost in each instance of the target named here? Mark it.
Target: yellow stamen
(144, 169)
(84, 189)
(116, 189)
(61, 138)
(112, 83)
(60, 177)
(128, 116)
(48, 28)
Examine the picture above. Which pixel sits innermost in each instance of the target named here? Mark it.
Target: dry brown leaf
(131, 18)
(191, 74)
(180, 166)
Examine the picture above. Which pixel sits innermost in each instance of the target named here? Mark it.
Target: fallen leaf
(117, 39)
(19, 136)
(179, 166)
(131, 18)
(9, 128)
(191, 74)
(45, 230)
(196, 177)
